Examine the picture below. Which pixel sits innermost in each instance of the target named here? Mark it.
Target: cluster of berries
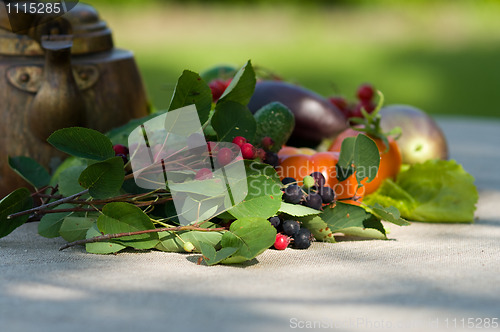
(248, 151)
(290, 232)
(365, 95)
(121, 151)
(313, 192)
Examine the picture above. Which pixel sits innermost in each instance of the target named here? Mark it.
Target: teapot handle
(59, 102)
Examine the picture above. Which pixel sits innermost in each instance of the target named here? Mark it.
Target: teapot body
(111, 90)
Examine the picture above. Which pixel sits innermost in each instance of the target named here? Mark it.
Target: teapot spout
(59, 102)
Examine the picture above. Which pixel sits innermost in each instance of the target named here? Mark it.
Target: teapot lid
(90, 33)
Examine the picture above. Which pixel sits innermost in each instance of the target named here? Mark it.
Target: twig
(66, 210)
(156, 230)
(49, 205)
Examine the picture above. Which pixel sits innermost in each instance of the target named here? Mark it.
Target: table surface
(427, 277)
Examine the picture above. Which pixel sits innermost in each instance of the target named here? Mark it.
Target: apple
(421, 137)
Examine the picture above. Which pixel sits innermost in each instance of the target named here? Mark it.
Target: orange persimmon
(390, 159)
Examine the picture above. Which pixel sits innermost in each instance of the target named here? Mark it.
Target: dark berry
(313, 200)
(239, 140)
(302, 239)
(204, 174)
(327, 194)
(275, 221)
(319, 178)
(293, 194)
(248, 151)
(267, 143)
(288, 180)
(224, 156)
(272, 159)
(120, 149)
(291, 227)
(124, 157)
(366, 92)
(281, 242)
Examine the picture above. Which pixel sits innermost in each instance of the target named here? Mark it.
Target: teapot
(60, 72)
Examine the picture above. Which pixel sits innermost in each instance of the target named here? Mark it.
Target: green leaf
(363, 232)
(360, 152)
(345, 215)
(103, 179)
(433, 191)
(241, 88)
(213, 257)
(51, 223)
(30, 170)
(252, 236)
(192, 89)
(297, 210)
(17, 201)
(170, 242)
(76, 228)
(101, 247)
(67, 163)
(390, 214)
(68, 181)
(232, 119)
(120, 217)
(264, 193)
(318, 228)
(366, 158)
(82, 142)
(120, 135)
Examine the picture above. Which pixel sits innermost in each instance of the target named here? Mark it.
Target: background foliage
(441, 56)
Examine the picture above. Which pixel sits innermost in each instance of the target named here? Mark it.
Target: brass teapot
(59, 73)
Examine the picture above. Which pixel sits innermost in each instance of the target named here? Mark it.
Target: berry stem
(105, 237)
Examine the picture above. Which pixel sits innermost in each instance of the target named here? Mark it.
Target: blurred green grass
(443, 57)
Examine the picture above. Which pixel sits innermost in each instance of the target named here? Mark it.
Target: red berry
(356, 111)
(260, 153)
(120, 149)
(282, 241)
(341, 104)
(204, 174)
(218, 87)
(366, 92)
(224, 156)
(369, 106)
(239, 140)
(267, 143)
(248, 151)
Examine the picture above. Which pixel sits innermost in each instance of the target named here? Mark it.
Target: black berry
(327, 194)
(319, 178)
(275, 221)
(313, 200)
(302, 239)
(293, 194)
(271, 158)
(291, 227)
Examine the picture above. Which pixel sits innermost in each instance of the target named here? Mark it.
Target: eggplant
(421, 139)
(315, 117)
